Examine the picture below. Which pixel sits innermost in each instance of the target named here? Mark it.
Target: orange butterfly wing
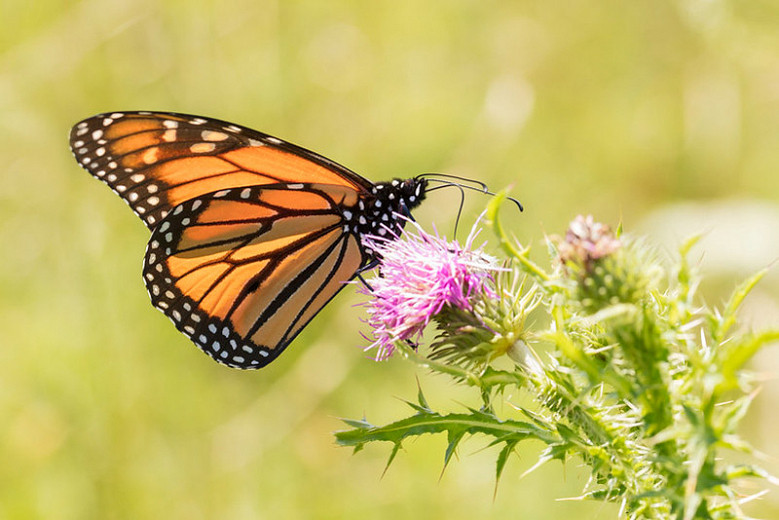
(242, 271)
(251, 235)
(155, 160)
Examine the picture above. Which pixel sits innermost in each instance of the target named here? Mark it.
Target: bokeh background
(663, 114)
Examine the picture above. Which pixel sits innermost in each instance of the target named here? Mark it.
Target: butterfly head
(411, 193)
(397, 197)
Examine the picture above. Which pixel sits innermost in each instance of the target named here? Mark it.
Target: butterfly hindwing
(241, 271)
(156, 160)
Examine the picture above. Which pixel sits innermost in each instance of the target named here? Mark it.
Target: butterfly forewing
(155, 161)
(241, 271)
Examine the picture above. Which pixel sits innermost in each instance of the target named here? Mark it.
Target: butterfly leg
(364, 281)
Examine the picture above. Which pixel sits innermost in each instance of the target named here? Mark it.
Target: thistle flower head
(586, 241)
(421, 275)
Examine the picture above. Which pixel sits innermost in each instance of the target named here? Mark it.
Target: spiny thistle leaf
(455, 424)
(730, 415)
(421, 409)
(421, 398)
(735, 301)
(454, 438)
(501, 463)
(357, 423)
(684, 273)
(747, 470)
(734, 355)
(394, 452)
(559, 451)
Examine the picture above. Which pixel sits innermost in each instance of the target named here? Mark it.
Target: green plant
(629, 371)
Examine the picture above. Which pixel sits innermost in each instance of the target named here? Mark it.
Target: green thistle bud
(606, 270)
(494, 327)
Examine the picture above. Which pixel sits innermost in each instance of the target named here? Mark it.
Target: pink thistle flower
(420, 276)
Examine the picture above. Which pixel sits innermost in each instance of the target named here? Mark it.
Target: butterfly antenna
(469, 184)
(436, 176)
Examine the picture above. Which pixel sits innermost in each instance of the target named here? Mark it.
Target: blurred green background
(661, 113)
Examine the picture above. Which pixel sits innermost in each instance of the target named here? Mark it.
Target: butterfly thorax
(384, 212)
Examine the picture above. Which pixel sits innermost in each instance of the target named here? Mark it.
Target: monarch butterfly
(250, 235)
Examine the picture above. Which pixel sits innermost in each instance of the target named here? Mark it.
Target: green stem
(521, 256)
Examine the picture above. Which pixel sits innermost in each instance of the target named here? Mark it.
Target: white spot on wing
(150, 155)
(210, 135)
(203, 147)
